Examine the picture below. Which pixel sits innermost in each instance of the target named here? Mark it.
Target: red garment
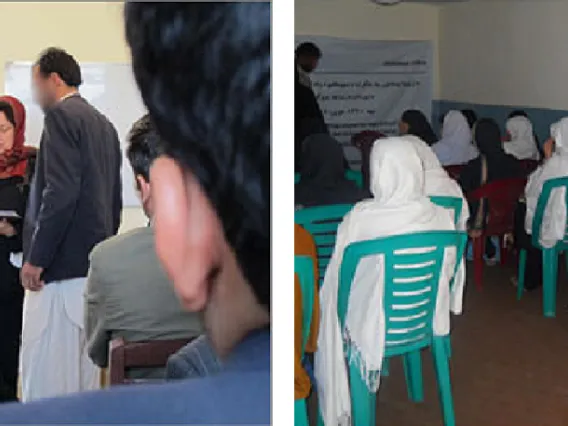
(13, 163)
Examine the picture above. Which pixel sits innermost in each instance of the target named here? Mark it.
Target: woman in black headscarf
(470, 116)
(413, 122)
(492, 164)
(322, 171)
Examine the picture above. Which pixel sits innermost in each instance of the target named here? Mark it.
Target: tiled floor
(509, 364)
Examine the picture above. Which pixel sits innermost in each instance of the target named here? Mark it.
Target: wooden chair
(125, 355)
(502, 197)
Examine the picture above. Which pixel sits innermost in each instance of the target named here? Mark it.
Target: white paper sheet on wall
(108, 87)
(367, 85)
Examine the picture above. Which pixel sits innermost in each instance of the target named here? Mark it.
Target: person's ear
(189, 236)
(143, 187)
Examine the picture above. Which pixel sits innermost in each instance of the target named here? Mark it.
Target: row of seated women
(404, 172)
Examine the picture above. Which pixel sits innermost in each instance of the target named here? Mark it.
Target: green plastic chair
(450, 203)
(549, 255)
(322, 222)
(356, 176)
(304, 268)
(410, 279)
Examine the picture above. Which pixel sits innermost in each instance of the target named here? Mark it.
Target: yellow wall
(92, 32)
(364, 20)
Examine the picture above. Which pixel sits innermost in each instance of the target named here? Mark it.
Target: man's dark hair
(144, 146)
(58, 61)
(308, 49)
(6, 108)
(203, 70)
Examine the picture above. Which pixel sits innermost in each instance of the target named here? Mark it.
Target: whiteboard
(108, 87)
(368, 84)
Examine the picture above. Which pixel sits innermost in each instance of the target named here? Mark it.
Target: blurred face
(44, 88)
(309, 64)
(403, 128)
(6, 134)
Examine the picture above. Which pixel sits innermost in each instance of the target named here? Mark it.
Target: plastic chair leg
(550, 273)
(363, 402)
(412, 362)
(385, 368)
(444, 385)
(448, 345)
(300, 413)
(521, 273)
(504, 252)
(478, 251)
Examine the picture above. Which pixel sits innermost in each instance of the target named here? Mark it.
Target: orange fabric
(304, 245)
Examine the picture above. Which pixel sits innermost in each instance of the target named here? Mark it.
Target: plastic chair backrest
(322, 222)
(304, 268)
(454, 171)
(502, 197)
(412, 266)
(355, 176)
(453, 203)
(547, 188)
(296, 178)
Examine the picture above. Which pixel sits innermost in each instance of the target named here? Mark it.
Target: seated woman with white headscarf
(553, 227)
(520, 141)
(398, 206)
(456, 146)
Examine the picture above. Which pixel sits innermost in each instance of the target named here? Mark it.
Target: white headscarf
(398, 206)
(554, 218)
(522, 144)
(437, 182)
(455, 147)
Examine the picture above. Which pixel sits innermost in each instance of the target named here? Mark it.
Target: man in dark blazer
(75, 202)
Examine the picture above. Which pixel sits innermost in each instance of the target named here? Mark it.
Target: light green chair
(411, 288)
(304, 268)
(356, 176)
(322, 223)
(549, 255)
(450, 203)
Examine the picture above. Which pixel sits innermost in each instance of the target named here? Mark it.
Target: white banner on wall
(367, 85)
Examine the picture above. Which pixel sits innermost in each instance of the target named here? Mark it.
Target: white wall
(92, 32)
(505, 53)
(361, 19)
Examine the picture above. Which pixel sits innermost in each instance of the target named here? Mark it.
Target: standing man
(307, 59)
(75, 202)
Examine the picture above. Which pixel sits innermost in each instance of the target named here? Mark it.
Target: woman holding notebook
(13, 168)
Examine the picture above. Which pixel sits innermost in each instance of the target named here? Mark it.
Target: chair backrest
(127, 355)
(322, 222)
(296, 178)
(502, 197)
(355, 176)
(454, 171)
(412, 266)
(453, 203)
(529, 166)
(304, 268)
(543, 199)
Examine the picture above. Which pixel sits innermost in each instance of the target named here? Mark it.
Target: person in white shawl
(456, 146)
(521, 143)
(437, 182)
(399, 206)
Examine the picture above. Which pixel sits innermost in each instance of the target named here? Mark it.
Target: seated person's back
(128, 293)
(322, 176)
(492, 164)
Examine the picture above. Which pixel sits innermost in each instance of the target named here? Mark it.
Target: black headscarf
(322, 171)
(487, 137)
(470, 116)
(418, 125)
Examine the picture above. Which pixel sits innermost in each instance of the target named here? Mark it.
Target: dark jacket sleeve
(62, 164)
